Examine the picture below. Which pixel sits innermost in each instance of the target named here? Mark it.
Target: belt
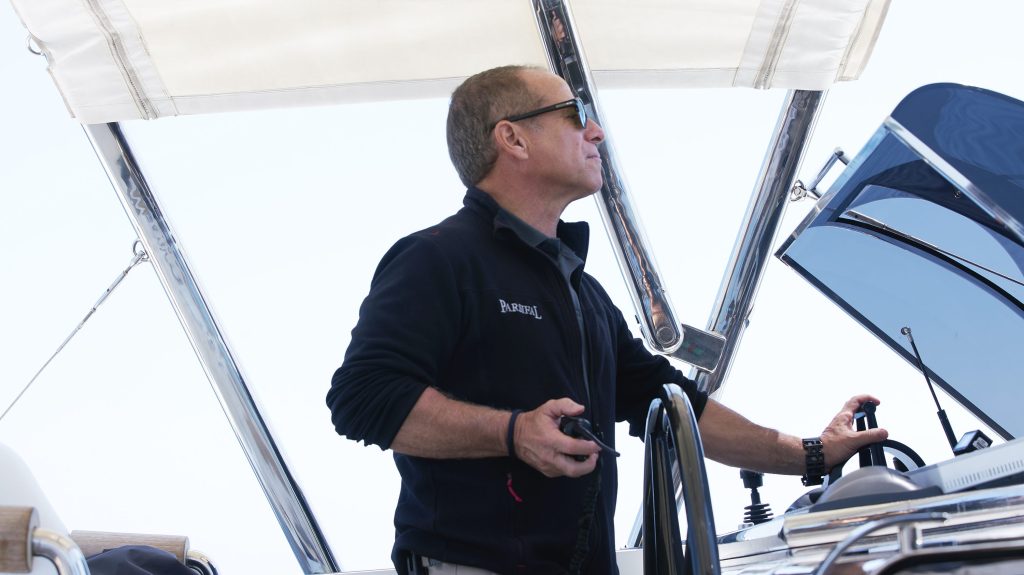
(420, 565)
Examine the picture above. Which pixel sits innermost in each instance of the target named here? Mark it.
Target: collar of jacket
(576, 235)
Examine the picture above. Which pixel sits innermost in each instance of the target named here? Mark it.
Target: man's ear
(511, 139)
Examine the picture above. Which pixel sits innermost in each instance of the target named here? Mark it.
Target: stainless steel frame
(289, 505)
(972, 191)
(60, 550)
(754, 242)
(969, 524)
(801, 190)
(760, 225)
(800, 542)
(661, 328)
(672, 427)
(200, 563)
(909, 535)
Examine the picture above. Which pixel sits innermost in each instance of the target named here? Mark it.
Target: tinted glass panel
(896, 244)
(979, 132)
(917, 221)
(968, 333)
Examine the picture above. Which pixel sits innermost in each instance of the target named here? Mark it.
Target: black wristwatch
(815, 462)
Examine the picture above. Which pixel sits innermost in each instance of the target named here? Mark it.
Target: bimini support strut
(165, 253)
(753, 248)
(754, 241)
(662, 330)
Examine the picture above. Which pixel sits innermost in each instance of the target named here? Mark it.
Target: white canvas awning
(116, 60)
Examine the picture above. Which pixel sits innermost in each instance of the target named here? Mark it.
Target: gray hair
(476, 105)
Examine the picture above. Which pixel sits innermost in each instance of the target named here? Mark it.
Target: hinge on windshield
(801, 191)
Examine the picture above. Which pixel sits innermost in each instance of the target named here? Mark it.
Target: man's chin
(588, 194)
(590, 190)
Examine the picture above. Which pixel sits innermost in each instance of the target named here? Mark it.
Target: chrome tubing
(670, 419)
(663, 551)
(60, 550)
(200, 563)
(760, 225)
(168, 259)
(909, 536)
(661, 329)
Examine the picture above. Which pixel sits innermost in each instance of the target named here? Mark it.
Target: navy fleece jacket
(468, 308)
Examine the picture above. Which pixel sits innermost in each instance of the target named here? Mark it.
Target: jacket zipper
(579, 322)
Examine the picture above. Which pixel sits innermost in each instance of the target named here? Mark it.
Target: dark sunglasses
(581, 111)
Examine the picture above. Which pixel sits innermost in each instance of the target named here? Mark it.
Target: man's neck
(539, 214)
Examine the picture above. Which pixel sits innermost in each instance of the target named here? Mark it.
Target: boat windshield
(920, 233)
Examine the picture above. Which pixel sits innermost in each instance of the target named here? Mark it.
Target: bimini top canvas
(115, 60)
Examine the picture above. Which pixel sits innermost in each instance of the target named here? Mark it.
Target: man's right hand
(540, 443)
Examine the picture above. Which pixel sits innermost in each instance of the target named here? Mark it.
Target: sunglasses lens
(581, 112)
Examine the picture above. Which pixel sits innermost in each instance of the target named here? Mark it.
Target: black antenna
(941, 412)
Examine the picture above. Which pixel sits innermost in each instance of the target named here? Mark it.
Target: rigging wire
(140, 256)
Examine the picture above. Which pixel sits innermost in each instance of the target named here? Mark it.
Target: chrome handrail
(672, 427)
(60, 550)
(659, 536)
(909, 535)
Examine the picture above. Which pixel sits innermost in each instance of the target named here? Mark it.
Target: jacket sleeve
(640, 377)
(407, 324)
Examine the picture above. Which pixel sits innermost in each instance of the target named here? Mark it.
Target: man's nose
(594, 132)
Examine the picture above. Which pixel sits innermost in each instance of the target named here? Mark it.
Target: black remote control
(579, 428)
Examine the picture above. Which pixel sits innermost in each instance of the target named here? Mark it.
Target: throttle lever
(870, 454)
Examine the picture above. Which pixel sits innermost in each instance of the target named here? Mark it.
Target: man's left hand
(841, 440)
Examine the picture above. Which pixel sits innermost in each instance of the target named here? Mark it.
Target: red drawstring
(512, 491)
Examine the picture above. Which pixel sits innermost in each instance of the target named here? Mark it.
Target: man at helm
(481, 333)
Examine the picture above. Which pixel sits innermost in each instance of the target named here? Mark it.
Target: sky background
(284, 214)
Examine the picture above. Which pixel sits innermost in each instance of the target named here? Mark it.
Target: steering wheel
(903, 458)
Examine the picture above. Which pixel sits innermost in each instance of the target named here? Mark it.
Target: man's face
(563, 155)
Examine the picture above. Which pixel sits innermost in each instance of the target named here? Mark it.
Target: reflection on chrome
(672, 422)
(201, 563)
(60, 550)
(566, 59)
(760, 225)
(165, 253)
(909, 535)
(658, 321)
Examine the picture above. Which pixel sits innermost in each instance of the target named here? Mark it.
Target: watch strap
(814, 460)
